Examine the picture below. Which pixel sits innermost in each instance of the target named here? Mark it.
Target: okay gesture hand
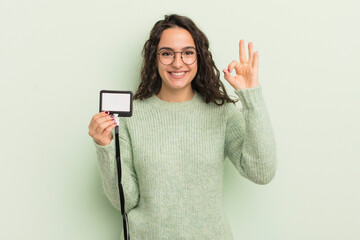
(246, 71)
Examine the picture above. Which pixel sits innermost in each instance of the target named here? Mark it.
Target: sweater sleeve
(249, 141)
(108, 170)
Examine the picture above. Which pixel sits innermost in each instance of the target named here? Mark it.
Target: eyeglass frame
(181, 55)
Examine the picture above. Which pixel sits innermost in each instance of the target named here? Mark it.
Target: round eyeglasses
(167, 56)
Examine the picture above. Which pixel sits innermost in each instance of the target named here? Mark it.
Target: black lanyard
(121, 192)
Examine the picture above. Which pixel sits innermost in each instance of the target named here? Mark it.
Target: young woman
(184, 126)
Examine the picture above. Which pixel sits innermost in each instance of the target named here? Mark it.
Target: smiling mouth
(177, 73)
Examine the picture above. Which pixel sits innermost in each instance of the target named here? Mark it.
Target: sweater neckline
(175, 106)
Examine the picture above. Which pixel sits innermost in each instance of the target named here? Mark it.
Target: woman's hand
(246, 71)
(100, 128)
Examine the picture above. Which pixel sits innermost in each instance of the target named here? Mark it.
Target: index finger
(97, 116)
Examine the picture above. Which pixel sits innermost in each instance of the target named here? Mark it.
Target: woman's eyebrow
(168, 48)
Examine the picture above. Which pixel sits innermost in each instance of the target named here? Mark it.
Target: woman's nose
(178, 60)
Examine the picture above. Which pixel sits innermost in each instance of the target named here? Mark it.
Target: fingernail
(106, 112)
(229, 70)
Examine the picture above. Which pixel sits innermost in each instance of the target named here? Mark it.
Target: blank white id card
(116, 102)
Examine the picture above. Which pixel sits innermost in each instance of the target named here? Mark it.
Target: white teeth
(178, 74)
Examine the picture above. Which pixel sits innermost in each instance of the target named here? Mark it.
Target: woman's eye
(189, 52)
(166, 54)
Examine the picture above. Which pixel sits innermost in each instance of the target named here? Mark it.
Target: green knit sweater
(173, 155)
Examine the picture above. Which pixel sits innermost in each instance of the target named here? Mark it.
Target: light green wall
(55, 57)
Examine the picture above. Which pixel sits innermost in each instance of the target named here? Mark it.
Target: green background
(55, 57)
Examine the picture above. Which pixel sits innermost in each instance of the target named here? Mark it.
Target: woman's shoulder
(222, 105)
(141, 103)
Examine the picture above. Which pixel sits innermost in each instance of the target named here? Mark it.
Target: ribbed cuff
(105, 149)
(251, 97)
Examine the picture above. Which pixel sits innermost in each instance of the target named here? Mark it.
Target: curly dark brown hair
(207, 80)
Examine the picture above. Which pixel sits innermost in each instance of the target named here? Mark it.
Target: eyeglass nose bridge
(181, 55)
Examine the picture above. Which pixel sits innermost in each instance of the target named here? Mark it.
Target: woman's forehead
(176, 38)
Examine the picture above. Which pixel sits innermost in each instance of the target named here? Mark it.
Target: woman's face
(176, 39)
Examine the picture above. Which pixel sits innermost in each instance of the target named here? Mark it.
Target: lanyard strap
(121, 192)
